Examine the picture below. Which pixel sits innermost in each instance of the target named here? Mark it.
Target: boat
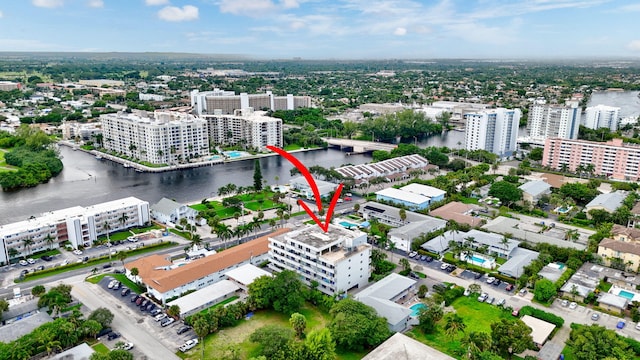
(126, 165)
(138, 170)
(98, 157)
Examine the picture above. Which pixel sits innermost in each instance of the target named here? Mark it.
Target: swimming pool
(416, 308)
(347, 224)
(484, 261)
(626, 294)
(233, 154)
(478, 260)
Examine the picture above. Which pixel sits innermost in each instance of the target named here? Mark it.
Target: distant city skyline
(318, 29)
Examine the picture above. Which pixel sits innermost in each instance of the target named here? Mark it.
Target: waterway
(627, 101)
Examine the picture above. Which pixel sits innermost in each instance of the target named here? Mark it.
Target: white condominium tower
(557, 121)
(494, 130)
(251, 129)
(157, 138)
(602, 116)
(226, 102)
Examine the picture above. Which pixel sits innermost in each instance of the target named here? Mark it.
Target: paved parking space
(167, 335)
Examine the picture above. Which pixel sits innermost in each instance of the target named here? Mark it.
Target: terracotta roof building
(459, 212)
(165, 279)
(622, 249)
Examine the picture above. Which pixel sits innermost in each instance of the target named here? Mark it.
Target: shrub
(452, 294)
(542, 315)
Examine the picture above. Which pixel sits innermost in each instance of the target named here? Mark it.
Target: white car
(413, 254)
(573, 305)
(31, 261)
(444, 266)
(490, 280)
(112, 284)
(127, 346)
(160, 317)
(77, 252)
(23, 262)
(483, 297)
(190, 344)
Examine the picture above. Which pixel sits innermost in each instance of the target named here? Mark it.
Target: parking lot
(167, 335)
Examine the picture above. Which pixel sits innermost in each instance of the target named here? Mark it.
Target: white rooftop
(541, 329)
(246, 274)
(402, 347)
(196, 299)
(404, 196)
(423, 190)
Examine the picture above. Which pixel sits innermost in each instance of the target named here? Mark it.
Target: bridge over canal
(359, 146)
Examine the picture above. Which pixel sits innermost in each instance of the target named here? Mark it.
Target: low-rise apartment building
(622, 250)
(613, 158)
(339, 259)
(78, 225)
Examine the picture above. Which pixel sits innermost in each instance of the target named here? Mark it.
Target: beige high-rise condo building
(222, 102)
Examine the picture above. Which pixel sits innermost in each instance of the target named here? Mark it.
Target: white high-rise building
(339, 259)
(252, 129)
(546, 121)
(602, 116)
(158, 138)
(226, 102)
(494, 130)
(79, 225)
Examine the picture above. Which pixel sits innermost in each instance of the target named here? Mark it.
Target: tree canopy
(507, 192)
(356, 326)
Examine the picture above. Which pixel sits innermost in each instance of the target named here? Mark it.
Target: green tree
(201, 328)
(536, 154)
(596, 342)
(355, 326)
(287, 292)
(274, 340)
(4, 306)
(257, 176)
(428, 318)
(174, 311)
(474, 343)
(454, 324)
(102, 316)
(406, 266)
(510, 337)
(544, 290)
(507, 192)
(423, 290)
(298, 323)
(319, 345)
(91, 328)
(38, 290)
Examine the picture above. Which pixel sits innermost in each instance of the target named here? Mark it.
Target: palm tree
(403, 215)
(122, 256)
(475, 342)
(564, 167)
(392, 246)
(26, 243)
(453, 325)
(505, 242)
(106, 227)
(49, 240)
(224, 232)
(13, 253)
(123, 220)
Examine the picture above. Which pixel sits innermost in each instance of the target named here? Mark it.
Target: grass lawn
(3, 162)
(292, 147)
(101, 348)
(477, 317)
(48, 252)
(467, 200)
(123, 235)
(184, 234)
(221, 211)
(217, 344)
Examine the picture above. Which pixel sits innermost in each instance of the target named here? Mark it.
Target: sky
(328, 29)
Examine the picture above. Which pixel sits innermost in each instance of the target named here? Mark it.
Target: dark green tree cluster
(507, 192)
(283, 292)
(116, 354)
(356, 326)
(597, 342)
(582, 194)
(405, 125)
(56, 298)
(278, 343)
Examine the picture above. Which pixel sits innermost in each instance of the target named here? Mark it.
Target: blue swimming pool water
(478, 260)
(347, 224)
(233, 154)
(416, 308)
(626, 294)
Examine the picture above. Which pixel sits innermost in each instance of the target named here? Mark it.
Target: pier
(359, 146)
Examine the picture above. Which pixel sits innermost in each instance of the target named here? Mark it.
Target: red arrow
(314, 187)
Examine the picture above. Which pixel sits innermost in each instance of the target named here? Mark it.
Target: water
(86, 181)
(478, 260)
(416, 309)
(626, 294)
(627, 101)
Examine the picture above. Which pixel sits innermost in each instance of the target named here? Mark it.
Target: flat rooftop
(314, 237)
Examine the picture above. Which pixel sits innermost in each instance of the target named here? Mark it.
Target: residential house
(386, 297)
(301, 184)
(459, 212)
(403, 236)
(389, 215)
(532, 191)
(170, 212)
(622, 250)
(608, 202)
(612, 302)
(540, 329)
(404, 198)
(402, 347)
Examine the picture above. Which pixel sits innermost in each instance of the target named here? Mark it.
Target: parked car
(23, 262)
(638, 326)
(155, 312)
(40, 268)
(490, 280)
(483, 297)
(509, 287)
(477, 276)
(501, 302)
(24, 272)
(522, 292)
(125, 292)
(490, 300)
(77, 252)
(515, 312)
(451, 268)
(167, 322)
(144, 303)
(151, 306)
(117, 286)
(135, 297)
(595, 316)
(113, 335)
(127, 346)
(497, 282)
(161, 316)
(564, 303)
(621, 324)
(139, 301)
(46, 258)
(104, 332)
(466, 292)
(573, 305)
(31, 260)
(106, 266)
(413, 254)
(112, 283)
(190, 344)
(426, 258)
(183, 330)
(444, 266)
(348, 198)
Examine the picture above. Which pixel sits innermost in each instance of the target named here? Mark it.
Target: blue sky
(328, 29)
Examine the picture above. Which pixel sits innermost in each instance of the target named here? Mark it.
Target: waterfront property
(414, 196)
(338, 260)
(157, 138)
(553, 120)
(225, 102)
(613, 158)
(301, 185)
(387, 297)
(493, 130)
(245, 127)
(79, 225)
(165, 280)
(392, 169)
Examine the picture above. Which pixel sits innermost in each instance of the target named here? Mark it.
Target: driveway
(125, 321)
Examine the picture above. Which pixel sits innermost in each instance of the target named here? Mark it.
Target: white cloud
(1, 15)
(95, 3)
(400, 31)
(634, 45)
(297, 25)
(174, 13)
(48, 3)
(289, 4)
(156, 2)
(253, 8)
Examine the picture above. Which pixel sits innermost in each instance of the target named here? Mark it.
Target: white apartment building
(226, 102)
(602, 116)
(253, 129)
(78, 225)
(158, 138)
(339, 259)
(494, 130)
(8, 86)
(556, 121)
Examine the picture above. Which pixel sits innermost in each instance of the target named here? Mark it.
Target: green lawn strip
(215, 344)
(93, 262)
(184, 234)
(48, 252)
(477, 316)
(120, 277)
(221, 303)
(291, 147)
(69, 308)
(123, 235)
(258, 206)
(198, 207)
(101, 348)
(467, 200)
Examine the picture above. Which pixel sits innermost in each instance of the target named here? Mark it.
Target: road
(125, 321)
